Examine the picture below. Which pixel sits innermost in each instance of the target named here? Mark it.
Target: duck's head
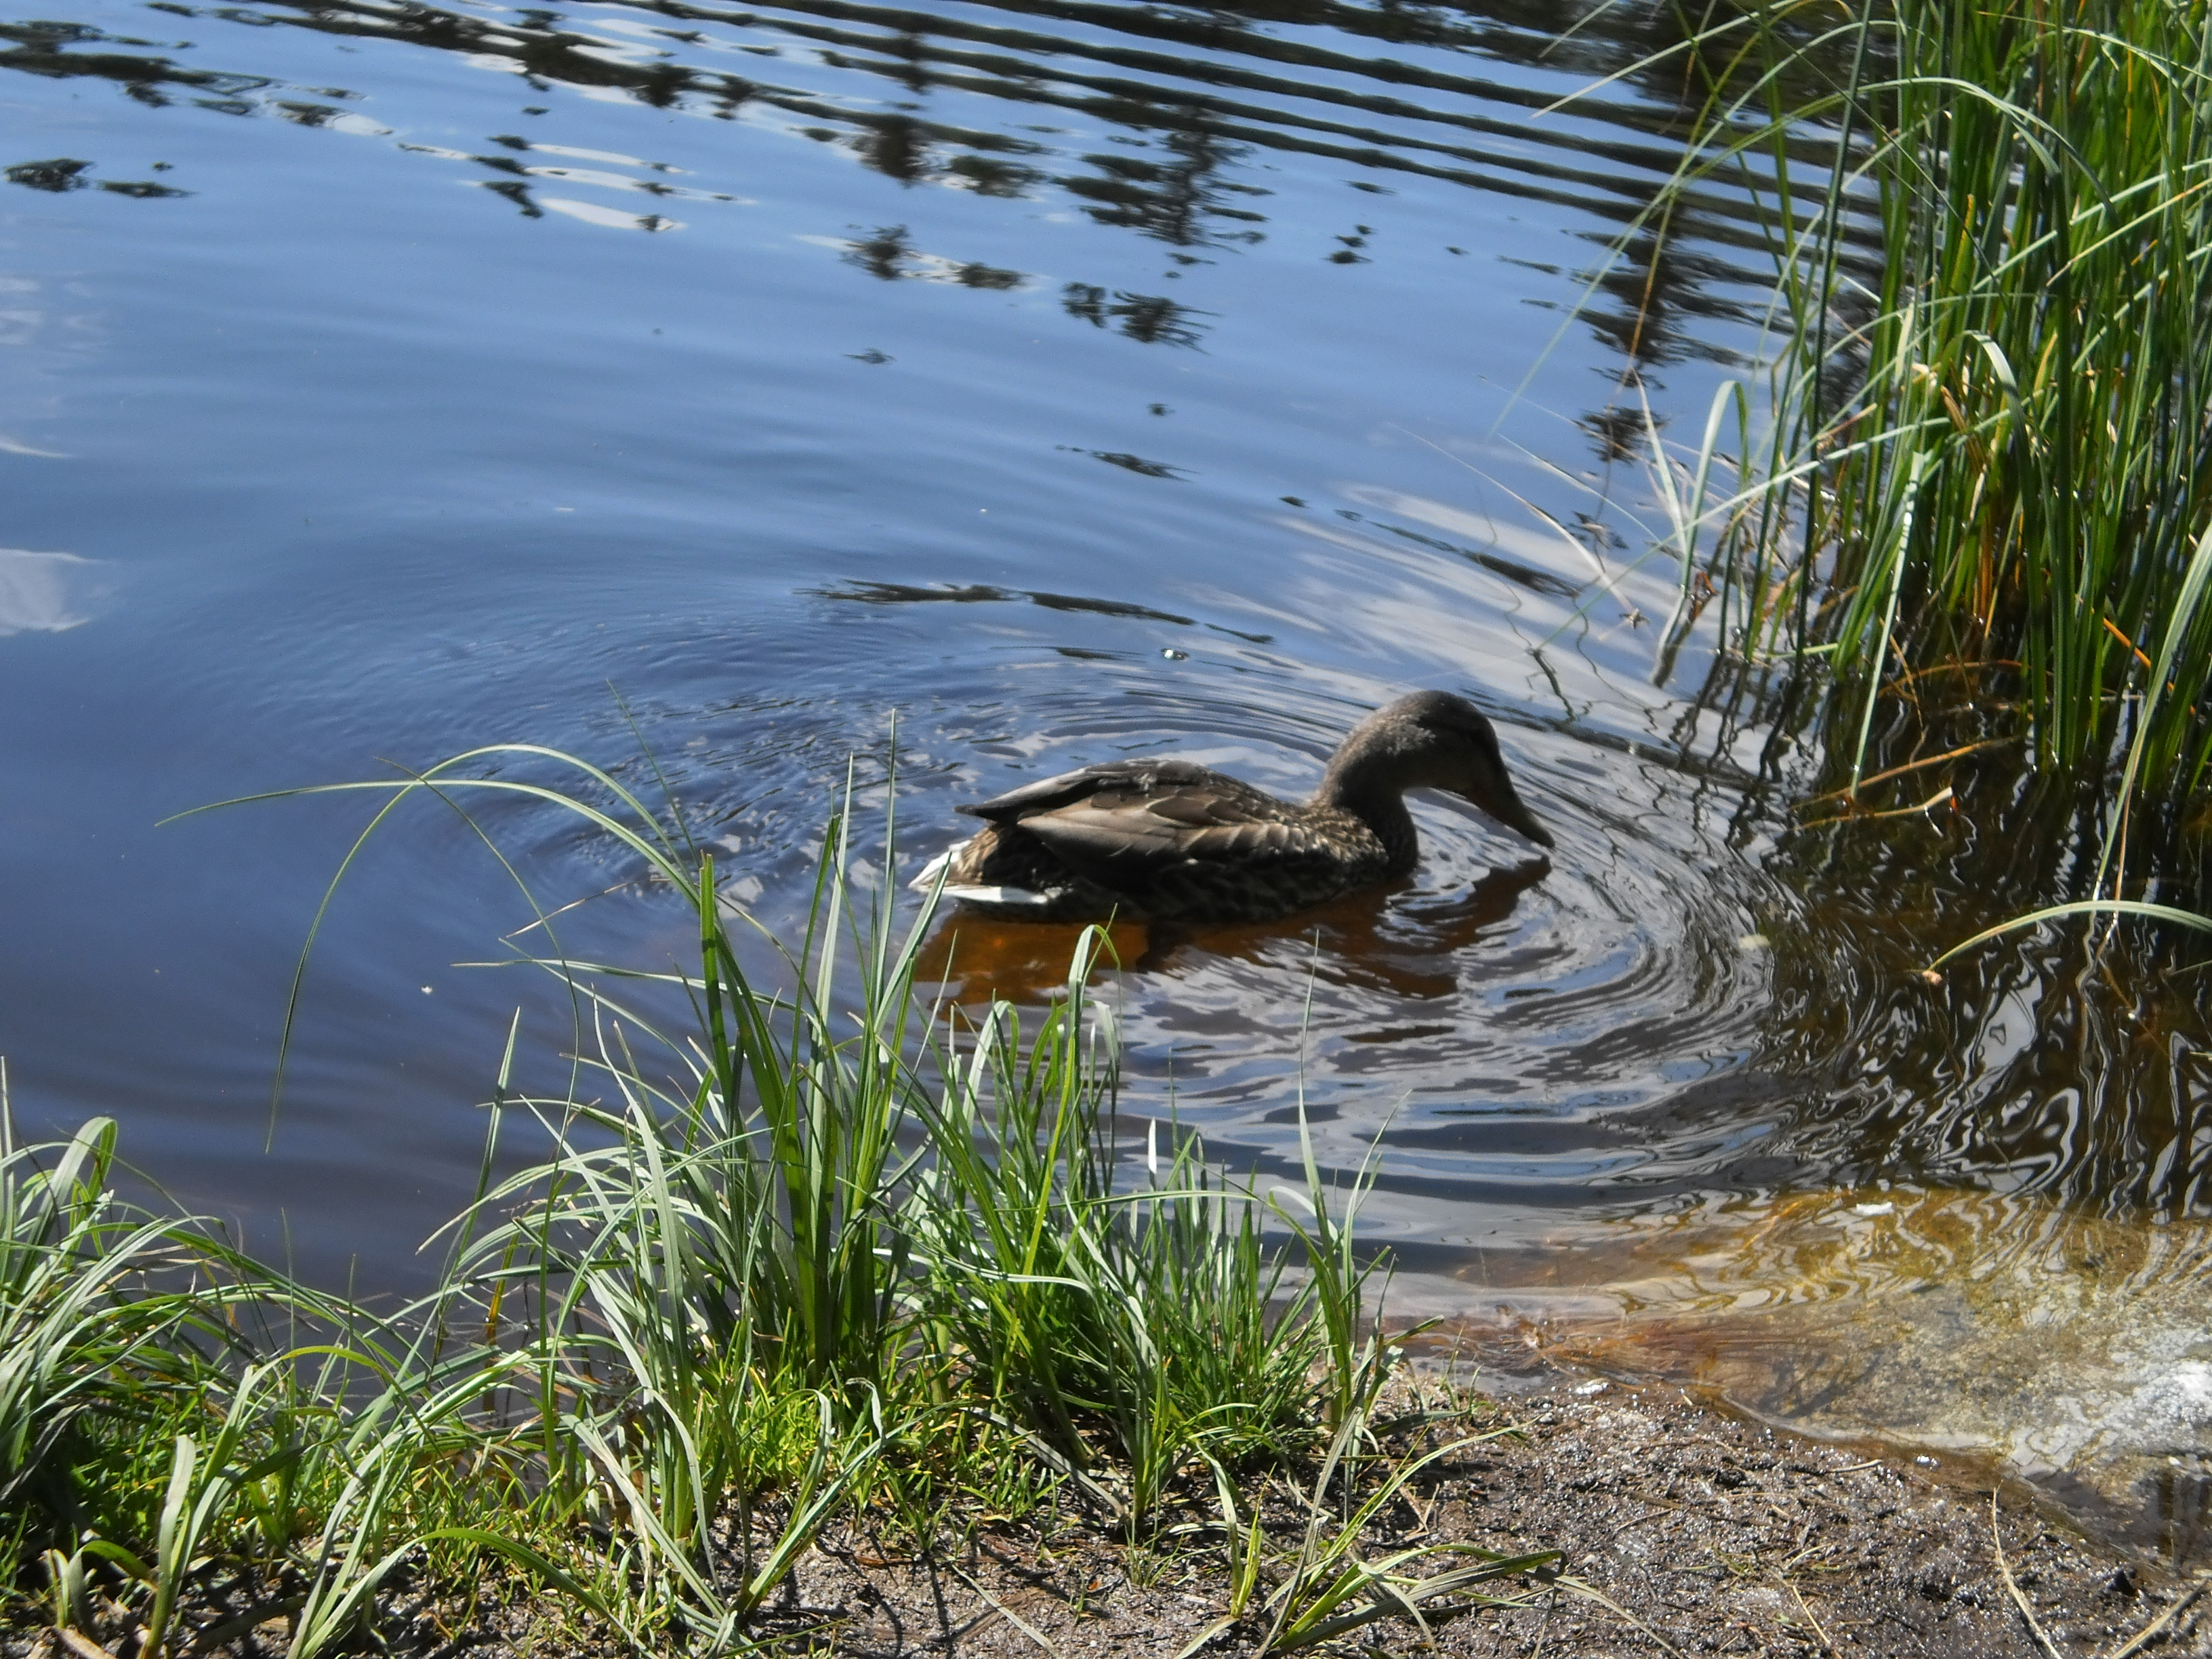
(1433, 740)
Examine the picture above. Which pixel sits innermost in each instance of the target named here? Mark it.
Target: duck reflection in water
(1366, 942)
(1177, 848)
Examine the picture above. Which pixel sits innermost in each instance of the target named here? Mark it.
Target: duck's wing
(1113, 777)
(1129, 841)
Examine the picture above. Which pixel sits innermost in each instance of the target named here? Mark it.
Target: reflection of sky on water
(1184, 130)
(1140, 411)
(42, 592)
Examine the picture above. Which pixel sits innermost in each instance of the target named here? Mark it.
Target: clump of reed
(1985, 469)
(794, 1253)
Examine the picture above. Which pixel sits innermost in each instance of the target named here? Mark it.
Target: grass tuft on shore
(792, 1253)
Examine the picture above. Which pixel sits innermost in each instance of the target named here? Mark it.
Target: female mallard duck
(1170, 842)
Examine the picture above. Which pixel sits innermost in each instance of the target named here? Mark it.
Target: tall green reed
(2032, 471)
(1987, 451)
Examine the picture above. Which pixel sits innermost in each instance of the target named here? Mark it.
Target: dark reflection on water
(1020, 385)
(2069, 1062)
(1147, 318)
(1186, 135)
(1407, 950)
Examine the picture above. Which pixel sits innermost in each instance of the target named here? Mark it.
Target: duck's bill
(1515, 817)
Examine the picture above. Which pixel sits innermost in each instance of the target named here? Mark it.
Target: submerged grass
(793, 1253)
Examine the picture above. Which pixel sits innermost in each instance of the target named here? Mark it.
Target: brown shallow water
(1990, 1335)
(1023, 385)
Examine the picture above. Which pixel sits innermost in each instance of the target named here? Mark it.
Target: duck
(1173, 842)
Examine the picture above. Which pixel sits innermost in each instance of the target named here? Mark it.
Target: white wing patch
(1011, 897)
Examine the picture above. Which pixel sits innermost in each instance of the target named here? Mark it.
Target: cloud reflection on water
(42, 592)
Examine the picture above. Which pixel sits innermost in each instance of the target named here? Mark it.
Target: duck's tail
(931, 879)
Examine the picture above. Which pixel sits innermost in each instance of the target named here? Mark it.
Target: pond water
(1019, 385)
